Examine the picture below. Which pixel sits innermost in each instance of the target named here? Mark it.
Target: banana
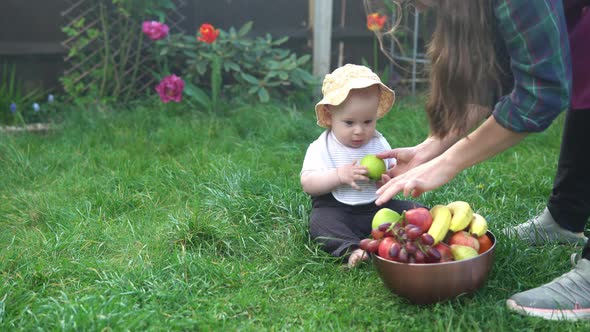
(462, 215)
(479, 225)
(460, 252)
(441, 220)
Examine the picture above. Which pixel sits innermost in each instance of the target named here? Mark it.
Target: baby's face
(353, 123)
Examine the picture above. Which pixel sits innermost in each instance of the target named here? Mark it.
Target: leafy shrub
(234, 65)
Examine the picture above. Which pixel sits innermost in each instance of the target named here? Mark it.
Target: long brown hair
(464, 69)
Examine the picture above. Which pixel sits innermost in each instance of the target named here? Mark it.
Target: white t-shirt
(327, 153)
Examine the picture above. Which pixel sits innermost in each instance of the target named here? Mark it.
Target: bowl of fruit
(430, 256)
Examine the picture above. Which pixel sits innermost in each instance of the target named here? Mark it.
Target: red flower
(170, 88)
(208, 33)
(155, 30)
(375, 21)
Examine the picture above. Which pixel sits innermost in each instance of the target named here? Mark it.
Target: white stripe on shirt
(328, 153)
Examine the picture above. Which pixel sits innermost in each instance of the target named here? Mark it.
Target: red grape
(394, 249)
(413, 232)
(420, 257)
(433, 255)
(399, 231)
(426, 239)
(364, 244)
(372, 246)
(384, 226)
(404, 237)
(408, 243)
(402, 256)
(411, 248)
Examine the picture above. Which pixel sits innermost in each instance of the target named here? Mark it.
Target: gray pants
(339, 228)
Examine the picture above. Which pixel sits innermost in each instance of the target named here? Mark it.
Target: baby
(354, 98)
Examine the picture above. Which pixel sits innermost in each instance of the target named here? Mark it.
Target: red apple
(445, 252)
(485, 243)
(384, 247)
(420, 217)
(464, 239)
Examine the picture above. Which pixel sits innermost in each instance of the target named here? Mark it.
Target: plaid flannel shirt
(536, 38)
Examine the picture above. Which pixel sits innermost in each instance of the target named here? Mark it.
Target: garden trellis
(402, 41)
(106, 52)
(417, 56)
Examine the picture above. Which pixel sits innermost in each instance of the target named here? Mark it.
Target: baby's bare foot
(356, 257)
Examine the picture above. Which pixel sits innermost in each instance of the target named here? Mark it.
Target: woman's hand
(410, 157)
(419, 179)
(405, 160)
(486, 141)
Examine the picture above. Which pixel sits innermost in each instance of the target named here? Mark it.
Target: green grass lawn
(148, 220)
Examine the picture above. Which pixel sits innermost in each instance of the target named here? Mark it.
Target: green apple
(375, 166)
(385, 215)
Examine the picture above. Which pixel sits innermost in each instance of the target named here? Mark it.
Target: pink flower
(170, 88)
(155, 30)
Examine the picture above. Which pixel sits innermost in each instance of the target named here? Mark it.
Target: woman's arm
(486, 141)
(536, 40)
(431, 147)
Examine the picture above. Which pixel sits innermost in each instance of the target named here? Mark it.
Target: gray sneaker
(543, 229)
(566, 297)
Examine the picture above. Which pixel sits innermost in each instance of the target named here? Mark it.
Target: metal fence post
(415, 51)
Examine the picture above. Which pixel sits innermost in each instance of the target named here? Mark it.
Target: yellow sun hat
(337, 86)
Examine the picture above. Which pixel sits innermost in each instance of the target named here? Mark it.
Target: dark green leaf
(190, 54)
(263, 95)
(233, 66)
(197, 95)
(245, 29)
(305, 76)
(249, 78)
(280, 41)
(303, 60)
(201, 68)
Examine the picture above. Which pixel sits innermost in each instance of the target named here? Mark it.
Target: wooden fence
(31, 36)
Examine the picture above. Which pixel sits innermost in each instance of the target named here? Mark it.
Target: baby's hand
(349, 174)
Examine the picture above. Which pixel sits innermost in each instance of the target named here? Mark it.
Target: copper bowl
(430, 283)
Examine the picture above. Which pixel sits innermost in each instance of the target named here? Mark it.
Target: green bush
(234, 65)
